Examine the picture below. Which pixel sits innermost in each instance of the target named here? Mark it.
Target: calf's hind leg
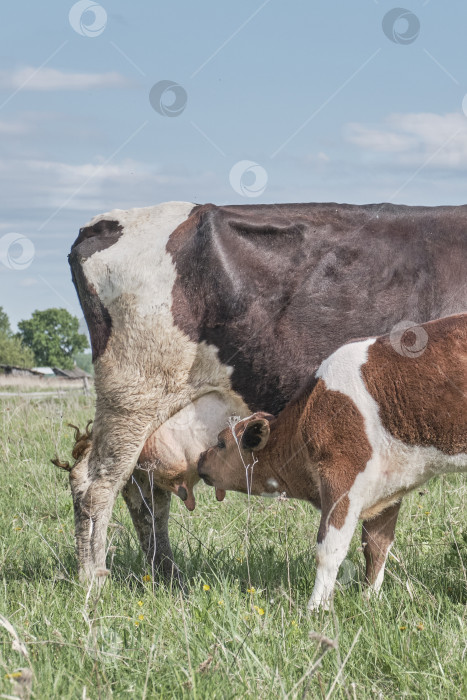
(377, 538)
(149, 508)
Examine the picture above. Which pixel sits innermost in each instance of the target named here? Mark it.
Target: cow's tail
(83, 442)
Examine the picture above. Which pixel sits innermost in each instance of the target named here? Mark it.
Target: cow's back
(254, 297)
(277, 288)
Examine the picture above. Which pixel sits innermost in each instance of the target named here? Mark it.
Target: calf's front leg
(377, 539)
(339, 517)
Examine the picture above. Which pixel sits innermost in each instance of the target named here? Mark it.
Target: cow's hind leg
(149, 508)
(95, 482)
(377, 538)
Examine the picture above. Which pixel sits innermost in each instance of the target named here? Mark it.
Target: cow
(238, 305)
(372, 425)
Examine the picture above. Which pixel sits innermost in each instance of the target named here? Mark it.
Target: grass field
(240, 630)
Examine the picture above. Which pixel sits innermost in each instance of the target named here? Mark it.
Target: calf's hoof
(318, 605)
(370, 592)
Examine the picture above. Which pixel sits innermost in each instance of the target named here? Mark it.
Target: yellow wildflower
(220, 602)
(293, 623)
(251, 590)
(403, 627)
(16, 674)
(146, 578)
(141, 617)
(206, 587)
(136, 623)
(260, 611)
(420, 626)
(140, 603)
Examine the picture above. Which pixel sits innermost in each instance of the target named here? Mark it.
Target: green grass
(215, 643)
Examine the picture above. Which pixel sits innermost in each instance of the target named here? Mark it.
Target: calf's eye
(221, 444)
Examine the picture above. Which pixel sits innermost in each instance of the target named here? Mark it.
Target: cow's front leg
(377, 538)
(339, 517)
(149, 508)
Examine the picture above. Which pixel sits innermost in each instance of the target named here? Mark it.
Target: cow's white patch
(138, 264)
(150, 369)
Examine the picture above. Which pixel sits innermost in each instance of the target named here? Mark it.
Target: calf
(372, 425)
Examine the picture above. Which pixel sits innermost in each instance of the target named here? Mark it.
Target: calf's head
(233, 465)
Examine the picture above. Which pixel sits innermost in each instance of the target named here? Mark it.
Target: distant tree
(53, 336)
(4, 322)
(84, 361)
(12, 350)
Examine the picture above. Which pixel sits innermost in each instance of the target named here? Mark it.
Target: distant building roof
(12, 369)
(75, 373)
(43, 370)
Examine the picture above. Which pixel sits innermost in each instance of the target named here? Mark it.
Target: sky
(126, 104)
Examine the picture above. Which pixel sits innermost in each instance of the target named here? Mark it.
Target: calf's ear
(256, 435)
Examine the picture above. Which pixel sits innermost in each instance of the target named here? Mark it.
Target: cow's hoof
(169, 573)
(90, 576)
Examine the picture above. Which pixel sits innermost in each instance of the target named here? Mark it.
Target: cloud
(47, 79)
(437, 140)
(44, 186)
(28, 281)
(13, 128)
